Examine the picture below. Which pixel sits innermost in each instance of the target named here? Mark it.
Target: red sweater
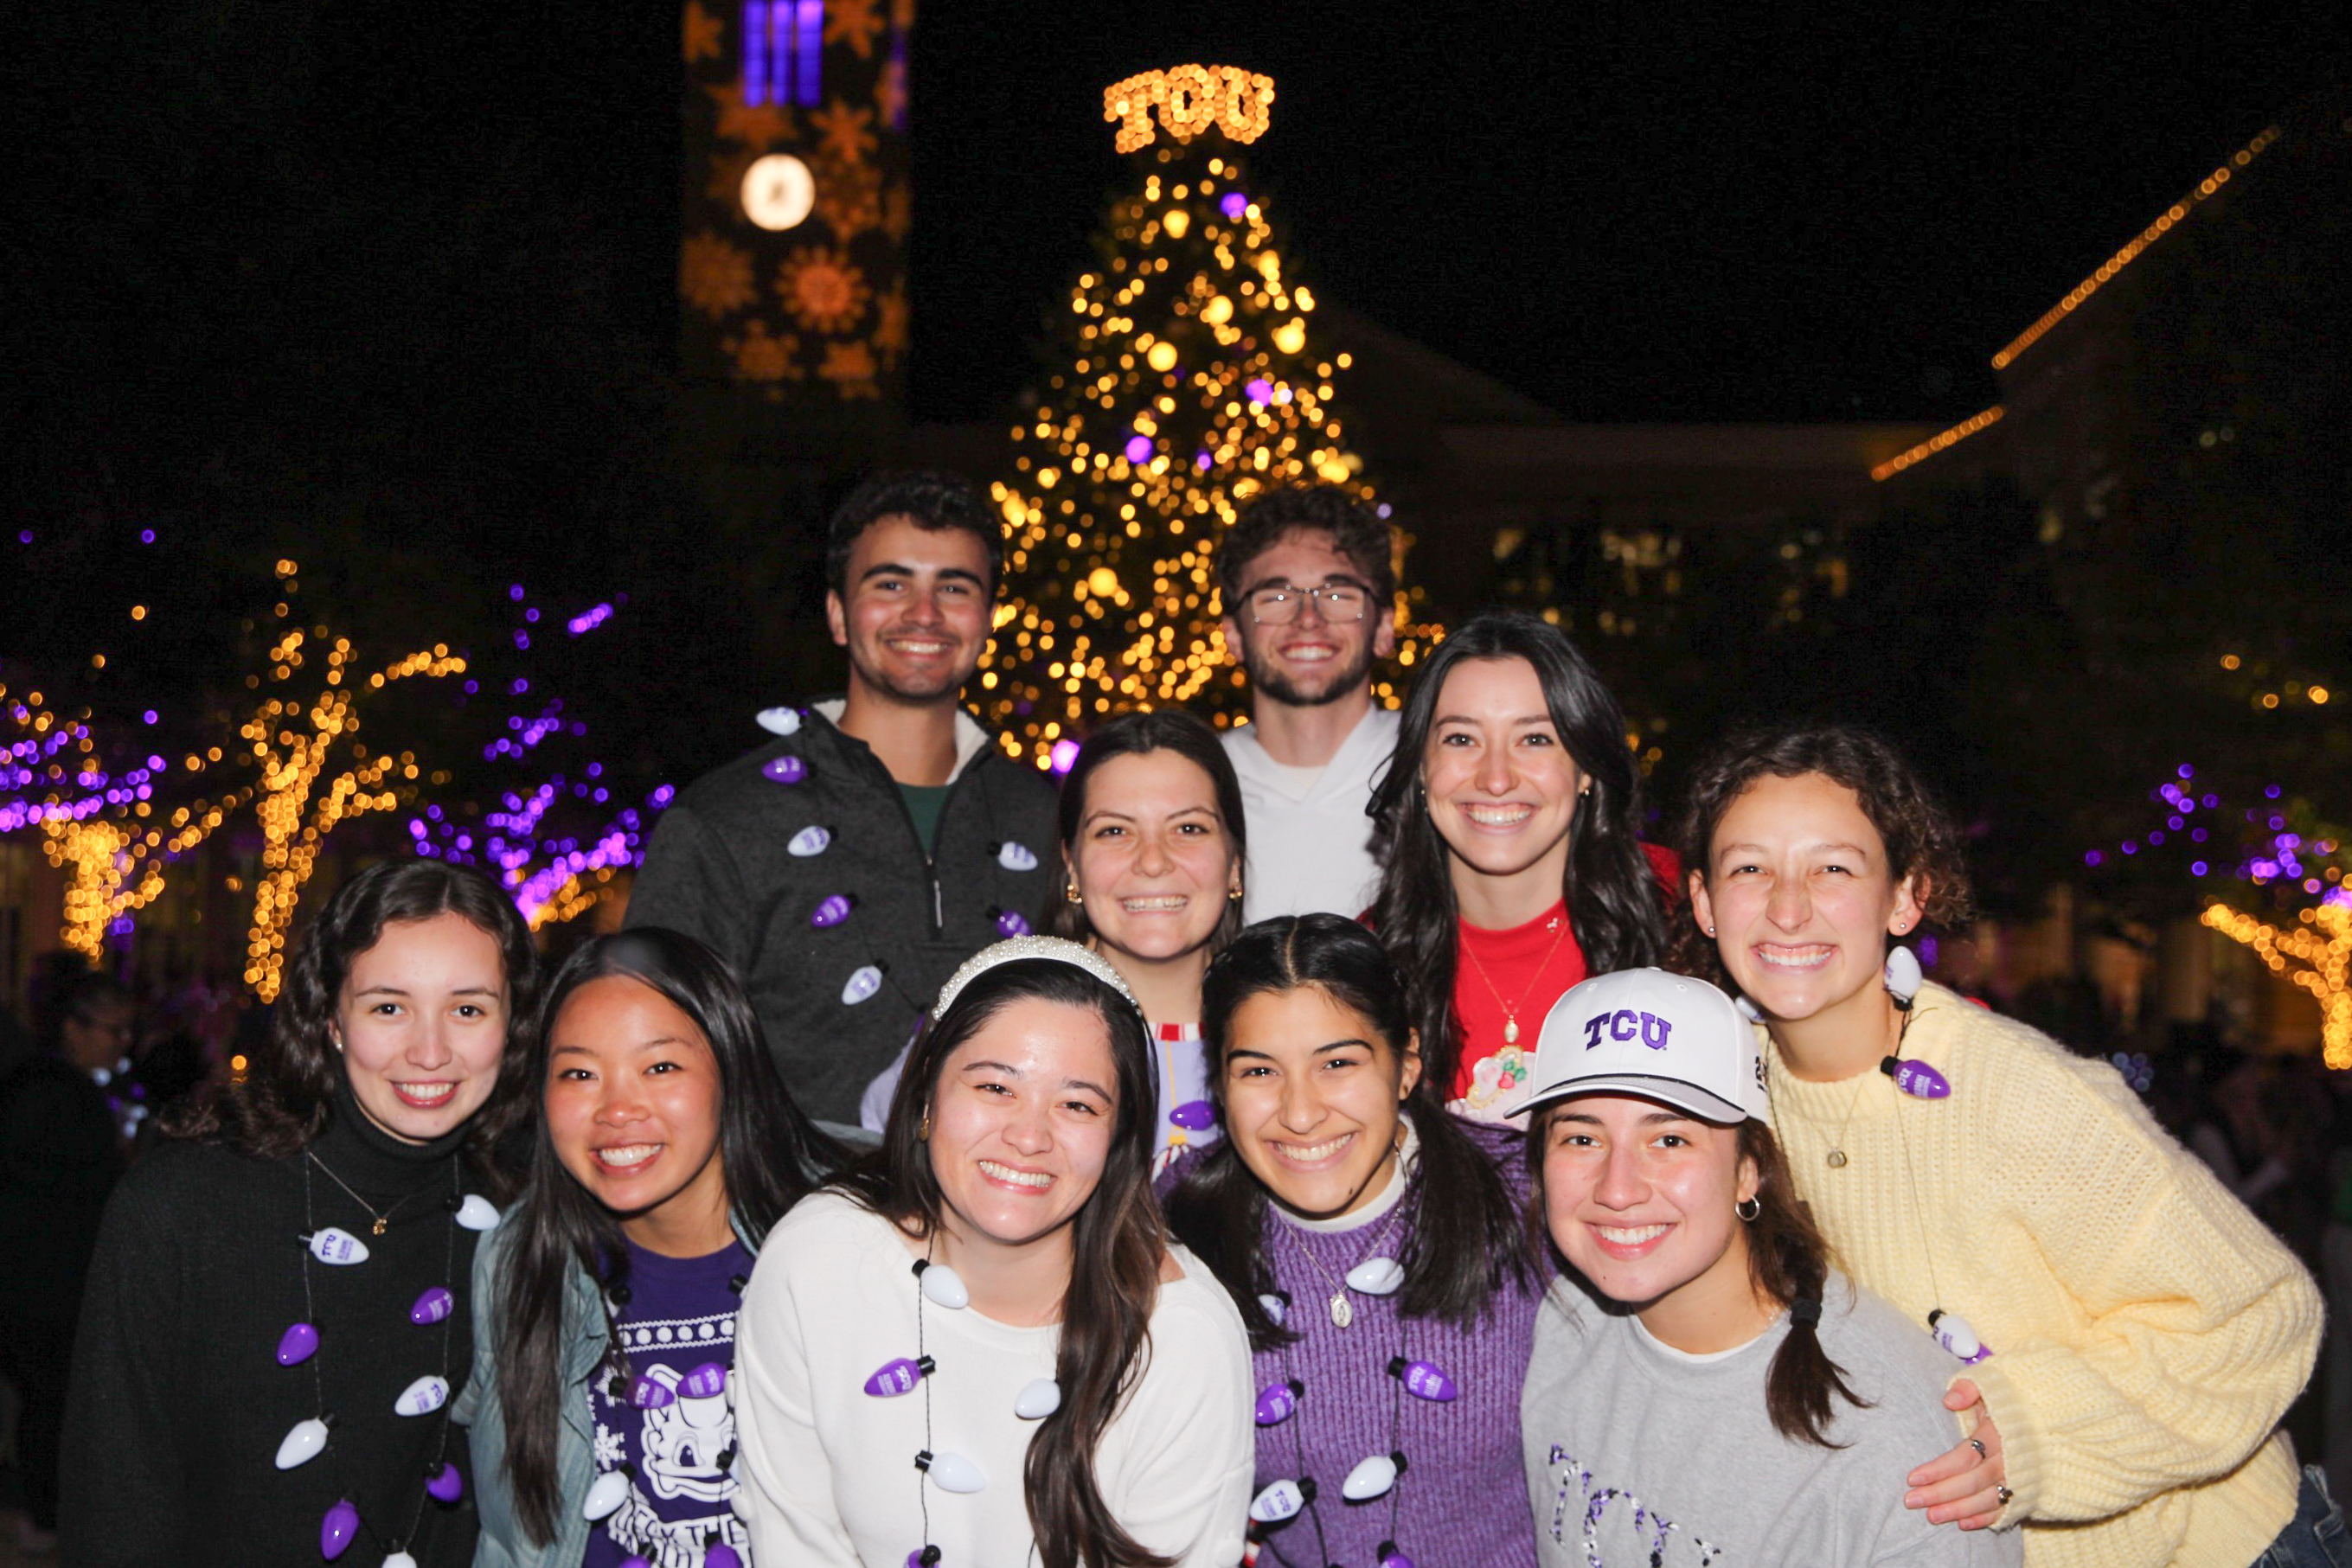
(1516, 974)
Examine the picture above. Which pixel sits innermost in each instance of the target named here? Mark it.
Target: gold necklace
(1511, 1011)
(382, 1217)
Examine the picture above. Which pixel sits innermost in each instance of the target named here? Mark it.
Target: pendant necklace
(1376, 1274)
(1511, 1010)
(382, 1218)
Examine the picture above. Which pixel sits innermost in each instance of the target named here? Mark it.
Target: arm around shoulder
(785, 1495)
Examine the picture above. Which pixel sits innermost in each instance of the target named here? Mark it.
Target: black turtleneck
(178, 1402)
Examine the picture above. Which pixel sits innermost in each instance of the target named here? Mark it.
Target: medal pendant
(1342, 1315)
(1837, 1159)
(378, 1227)
(1510, 1031)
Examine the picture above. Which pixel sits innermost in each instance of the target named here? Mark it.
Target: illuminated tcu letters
(1190, 99)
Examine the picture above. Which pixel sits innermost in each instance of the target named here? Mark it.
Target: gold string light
(2316, 952)
(2165, 223)
(1934, 443)
(1189, 384)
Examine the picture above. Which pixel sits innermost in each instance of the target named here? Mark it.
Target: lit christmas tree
(1183, 384)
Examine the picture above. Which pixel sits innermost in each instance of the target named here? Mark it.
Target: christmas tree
(1183, 380)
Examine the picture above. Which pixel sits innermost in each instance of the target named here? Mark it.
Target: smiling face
(916, 615)
(422, 1020)
(1798, 893)
(632, 1098)
(1309, 660)
(1312, 1094)
(1640, 1197)
(1153, 860)
(1020, 1122)
(1502, 787)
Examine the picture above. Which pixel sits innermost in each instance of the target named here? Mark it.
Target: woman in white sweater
(979, 1348)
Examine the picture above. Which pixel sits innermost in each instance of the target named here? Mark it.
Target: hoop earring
(1747, 1209)
(1234, 893)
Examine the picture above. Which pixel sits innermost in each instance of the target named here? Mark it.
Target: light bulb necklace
(442, 1481)
(1377, 1474)
(1918, 1081)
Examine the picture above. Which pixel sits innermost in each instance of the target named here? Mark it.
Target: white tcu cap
(1663, 1037)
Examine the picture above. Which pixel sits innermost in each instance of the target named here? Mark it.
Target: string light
(2165, 223)
(2315, 953)
(1934, 443)
(1187, 382)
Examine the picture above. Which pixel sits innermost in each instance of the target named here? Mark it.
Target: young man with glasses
(1308, 586)
(881, 837)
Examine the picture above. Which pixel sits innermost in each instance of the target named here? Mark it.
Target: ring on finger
(1978, 1444)
(2004, 1494)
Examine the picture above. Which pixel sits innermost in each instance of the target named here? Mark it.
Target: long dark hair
(1922, 841)
(1787, 1263)
(1135, 734)
(281, 1107)
(1614, 903)
(1465, 1243)
(1117, 1244)
(769, 1152)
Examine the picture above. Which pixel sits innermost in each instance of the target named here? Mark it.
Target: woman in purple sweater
(1374, 1246)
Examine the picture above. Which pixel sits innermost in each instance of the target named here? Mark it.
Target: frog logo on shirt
(1653, 1540)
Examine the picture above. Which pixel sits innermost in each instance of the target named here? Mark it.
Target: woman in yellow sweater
(2130, 1334)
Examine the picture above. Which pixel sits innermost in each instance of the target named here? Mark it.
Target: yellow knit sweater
(2147, 1332)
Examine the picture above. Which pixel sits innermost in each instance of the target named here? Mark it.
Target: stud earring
(923, 1132)
(1071, 891)
(1234, 893)
(1711, 930)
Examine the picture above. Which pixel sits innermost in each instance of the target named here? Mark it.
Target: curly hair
(1357, 532)
(933, 502)
(282, 1106)
(1922, 841)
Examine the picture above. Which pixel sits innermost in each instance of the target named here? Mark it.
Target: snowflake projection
(849, 198)
(856, 22)
(890, 323)
(816, 310)
(821, 290)
(765, 359)
(714, 275)
(844, 131)
(699, 33)
(849, 365)
(757, 126)
(611, 1447)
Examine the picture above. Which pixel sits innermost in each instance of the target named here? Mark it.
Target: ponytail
(1788, 1261)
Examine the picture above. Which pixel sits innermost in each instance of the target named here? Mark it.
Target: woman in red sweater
(1507, 828)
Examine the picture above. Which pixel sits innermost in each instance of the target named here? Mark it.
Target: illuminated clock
(777, 192)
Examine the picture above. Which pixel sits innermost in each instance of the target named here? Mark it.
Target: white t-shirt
(1310, 845)
(827, 1474)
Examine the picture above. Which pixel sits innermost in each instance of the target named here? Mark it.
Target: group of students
(1468, 1221)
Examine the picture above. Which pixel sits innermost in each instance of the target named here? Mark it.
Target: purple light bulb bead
(721, 1555)
(707, 1381)
(1010, 924)
(893, 1378)
(634, 1561)
(831, 911)
(649, 1394)
(1920, 1081)
(1423, 1380)
(1194, 1115)
(785, 770)
(298, 1344)
(432, 1306)
(1392, 1558)
(445, 1483)
(1277, 1401)
(338, 1529)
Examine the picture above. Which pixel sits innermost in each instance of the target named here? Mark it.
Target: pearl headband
(1054, 947)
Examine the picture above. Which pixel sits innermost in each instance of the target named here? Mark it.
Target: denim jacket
(503, 1544)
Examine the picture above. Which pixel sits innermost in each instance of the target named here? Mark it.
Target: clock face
(777, 192)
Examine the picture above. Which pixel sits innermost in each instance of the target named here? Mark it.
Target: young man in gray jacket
(845, 868)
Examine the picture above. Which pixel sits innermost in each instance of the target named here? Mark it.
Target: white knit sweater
(827, 1472)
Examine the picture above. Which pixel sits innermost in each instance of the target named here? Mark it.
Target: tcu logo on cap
(1626, 1024)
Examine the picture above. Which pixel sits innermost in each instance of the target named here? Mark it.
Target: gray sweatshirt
(1639, 1455)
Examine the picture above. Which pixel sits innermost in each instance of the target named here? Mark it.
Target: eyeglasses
(1337, 602)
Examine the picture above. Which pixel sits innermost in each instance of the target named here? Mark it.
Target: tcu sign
(1190, 99)
(1627, 1024)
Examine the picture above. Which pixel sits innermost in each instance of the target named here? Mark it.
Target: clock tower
(792, 256)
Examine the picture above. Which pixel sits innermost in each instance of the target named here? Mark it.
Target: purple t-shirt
(675, 1427)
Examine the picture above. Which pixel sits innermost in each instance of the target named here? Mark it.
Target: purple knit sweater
(1463, 1499)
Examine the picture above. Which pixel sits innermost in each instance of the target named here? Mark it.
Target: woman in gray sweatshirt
(1705, 1390)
